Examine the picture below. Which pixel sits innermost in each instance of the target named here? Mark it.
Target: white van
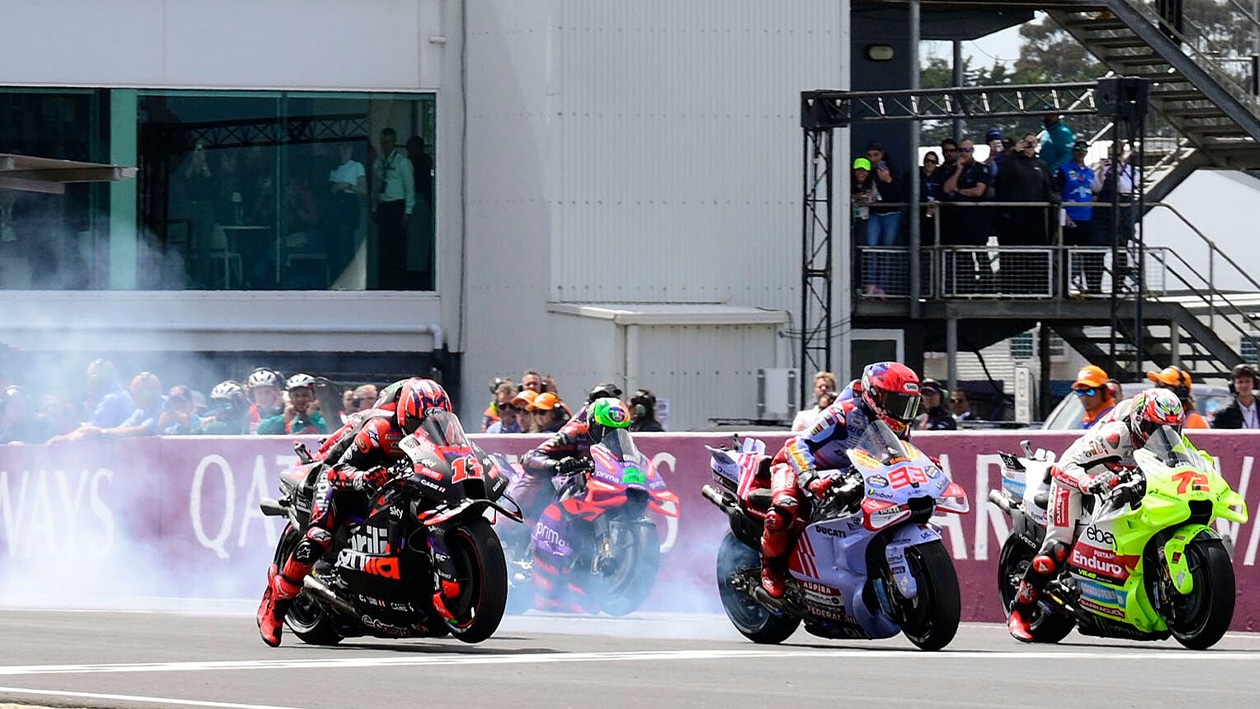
(1208, 399)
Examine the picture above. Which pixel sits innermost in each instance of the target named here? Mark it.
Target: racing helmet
(605, 413)
(891, 391)
(416, 399)
(1154, 408)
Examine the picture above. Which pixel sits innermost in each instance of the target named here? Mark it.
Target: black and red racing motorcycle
(425, 534)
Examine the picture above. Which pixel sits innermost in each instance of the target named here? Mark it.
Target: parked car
(1208, 399)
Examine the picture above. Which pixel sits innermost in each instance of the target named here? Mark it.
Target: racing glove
(1102, 482)
(569, 465)
(369, 479)
(819, 487)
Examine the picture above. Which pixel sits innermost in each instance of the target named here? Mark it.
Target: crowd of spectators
(1047, 167)
(104, 404)
(263, 402)
(535, 405)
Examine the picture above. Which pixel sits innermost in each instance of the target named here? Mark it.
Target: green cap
(862, 164)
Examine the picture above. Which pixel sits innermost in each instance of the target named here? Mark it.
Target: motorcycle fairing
(903, 538)
(832, 552)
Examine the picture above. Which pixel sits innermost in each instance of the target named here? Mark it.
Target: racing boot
(1021, 609)
(775, 540)
(774, 575)
(1042, 568)
(275, 604)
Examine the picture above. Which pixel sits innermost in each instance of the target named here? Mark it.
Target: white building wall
(705, 371)
(330, 45)
(635, 152)
(312, 44)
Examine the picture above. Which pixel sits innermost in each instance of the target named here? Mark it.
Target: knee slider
(313, 545)
(1051, 559)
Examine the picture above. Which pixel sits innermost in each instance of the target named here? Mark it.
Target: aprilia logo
(383, 566)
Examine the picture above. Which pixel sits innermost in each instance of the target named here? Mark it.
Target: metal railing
(1008, 272)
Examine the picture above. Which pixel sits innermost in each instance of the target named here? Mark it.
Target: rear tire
(307, 618)
(753, 620)
(1012, 564)
(637, 562)
(1209, 609)
(482, 574)
(932, 616)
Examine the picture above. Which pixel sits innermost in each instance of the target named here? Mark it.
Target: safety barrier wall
(112, 522)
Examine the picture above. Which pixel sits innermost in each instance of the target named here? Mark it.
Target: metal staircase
(1197, 87)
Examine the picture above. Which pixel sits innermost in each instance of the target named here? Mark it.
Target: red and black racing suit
(340, 488)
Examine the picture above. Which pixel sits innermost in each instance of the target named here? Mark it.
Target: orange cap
(524, 399)
(545, 401)
(1173, 377)
(1090, 377)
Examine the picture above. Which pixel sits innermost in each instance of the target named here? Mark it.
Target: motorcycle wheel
(1012, 565)
(481, 571)
(307, 618)
(1203, 616)
(931, 618)
(753, 620)
(631, 569)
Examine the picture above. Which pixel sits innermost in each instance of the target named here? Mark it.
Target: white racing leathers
(1106, 447)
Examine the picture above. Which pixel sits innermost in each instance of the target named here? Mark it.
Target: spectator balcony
(988, 293)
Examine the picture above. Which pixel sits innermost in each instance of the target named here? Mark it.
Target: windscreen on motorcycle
(620, 444)
(444, 429)
(1167, 444)
(881, 443)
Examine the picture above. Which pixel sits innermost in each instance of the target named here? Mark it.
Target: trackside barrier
(109, 522)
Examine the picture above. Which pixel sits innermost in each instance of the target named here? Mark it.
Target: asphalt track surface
(215, 659)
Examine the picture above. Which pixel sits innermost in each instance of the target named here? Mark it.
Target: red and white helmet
(1152, 409)
(416, 399)
(891, 391)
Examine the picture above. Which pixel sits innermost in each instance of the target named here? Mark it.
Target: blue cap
(992, 135)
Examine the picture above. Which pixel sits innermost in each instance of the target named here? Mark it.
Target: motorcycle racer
(566, 451)
(888, 391)
(345, 486)
(335, 445)
(1089, 467)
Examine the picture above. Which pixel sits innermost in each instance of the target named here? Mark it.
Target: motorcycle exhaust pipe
(321, 590)
(1001, 499)
(272, 508)
(719, 498)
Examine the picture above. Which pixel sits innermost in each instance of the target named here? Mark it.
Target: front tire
(632, 568)
(1203, 616)
(753, 620)
(931, 618)
(1012, 565)
(481, 570)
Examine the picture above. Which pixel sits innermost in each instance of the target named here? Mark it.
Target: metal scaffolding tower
(1122, 98)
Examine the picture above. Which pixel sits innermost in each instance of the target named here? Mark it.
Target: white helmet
(299, 381)
(263, 377)
(228, 391)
